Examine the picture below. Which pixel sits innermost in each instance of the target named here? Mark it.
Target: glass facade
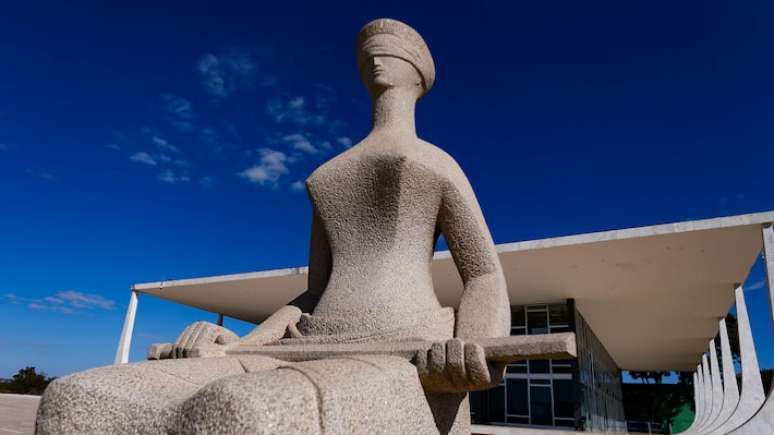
(584, 393)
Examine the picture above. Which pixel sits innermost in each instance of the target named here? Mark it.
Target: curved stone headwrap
(388, 37)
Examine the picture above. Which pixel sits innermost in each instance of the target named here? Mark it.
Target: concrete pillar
(717, 387)
(696, 405)
(709, 413)
(125, 343)
(730, 387)
(761, 422)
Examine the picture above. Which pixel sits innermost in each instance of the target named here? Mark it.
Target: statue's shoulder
(439, 160)
(332, 165)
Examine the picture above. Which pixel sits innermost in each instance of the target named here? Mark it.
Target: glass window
(496, 408)
(559, 314)
(564, 422)
(516, 368)
(538, 366)
(517, 315)
(518, 330)
(518, 420)
(540, 405)
(559, 328)
(563, 399)
(537, 322)
(517, 397)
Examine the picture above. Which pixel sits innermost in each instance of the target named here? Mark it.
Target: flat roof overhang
(652, 295)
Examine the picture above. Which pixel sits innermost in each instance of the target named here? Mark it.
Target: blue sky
(140, 143)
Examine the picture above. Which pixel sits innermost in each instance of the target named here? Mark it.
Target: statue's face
(383, 72)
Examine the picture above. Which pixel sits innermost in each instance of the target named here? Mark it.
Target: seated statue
(378, 210)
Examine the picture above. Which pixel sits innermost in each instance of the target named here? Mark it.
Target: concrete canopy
(653, 295)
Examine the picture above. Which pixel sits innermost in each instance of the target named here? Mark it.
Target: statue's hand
(203, 339)
(455, 366)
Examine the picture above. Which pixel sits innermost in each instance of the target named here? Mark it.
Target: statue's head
(391, 54)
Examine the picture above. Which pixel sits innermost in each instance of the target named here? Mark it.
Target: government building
(645, 299)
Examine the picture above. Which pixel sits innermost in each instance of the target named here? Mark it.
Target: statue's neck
(394, 112)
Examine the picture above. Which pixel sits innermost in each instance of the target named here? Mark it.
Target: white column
(125, 343)
(730, 387)
(709, 413)
(763, 421)
(696, 404)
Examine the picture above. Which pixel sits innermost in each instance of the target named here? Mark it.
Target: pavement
(17, 414)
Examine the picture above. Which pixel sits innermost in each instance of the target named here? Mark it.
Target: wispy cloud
(113, 146)
(300, 142)
(294, 110)
(179, 111)
(66, 302)
(298, 186)
(230, 70)
(143, 157)
(41, 174)
(344, 141)
(170, 177)
(164, 144)
(756, 285)
(271, 167)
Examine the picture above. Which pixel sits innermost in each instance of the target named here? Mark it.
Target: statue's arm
(459, 364)
(484, 310)
(277, 325)
(207, 338)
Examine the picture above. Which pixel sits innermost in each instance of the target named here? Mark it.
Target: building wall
(599, 383)
(550, 393)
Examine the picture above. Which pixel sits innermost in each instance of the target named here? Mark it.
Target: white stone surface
(730, 387)
(763, 421)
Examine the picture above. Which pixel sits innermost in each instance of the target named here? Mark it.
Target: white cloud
(66, 302)
(756, 285)
(344, 141)
(230, 70)
(164, 144)
(300, 142)
(143, 157)
(179, 111)
(170, 177)
(272, 166)
(298, 186)
(293, 111)
(85, 300)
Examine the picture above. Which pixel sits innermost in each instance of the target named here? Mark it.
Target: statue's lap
(255, 394)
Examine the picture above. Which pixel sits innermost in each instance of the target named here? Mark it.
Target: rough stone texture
(500, 349)
(378, 210)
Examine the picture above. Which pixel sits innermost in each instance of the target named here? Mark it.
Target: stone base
(251, 394)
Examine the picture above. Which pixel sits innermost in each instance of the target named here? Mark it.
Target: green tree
(28, 381)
